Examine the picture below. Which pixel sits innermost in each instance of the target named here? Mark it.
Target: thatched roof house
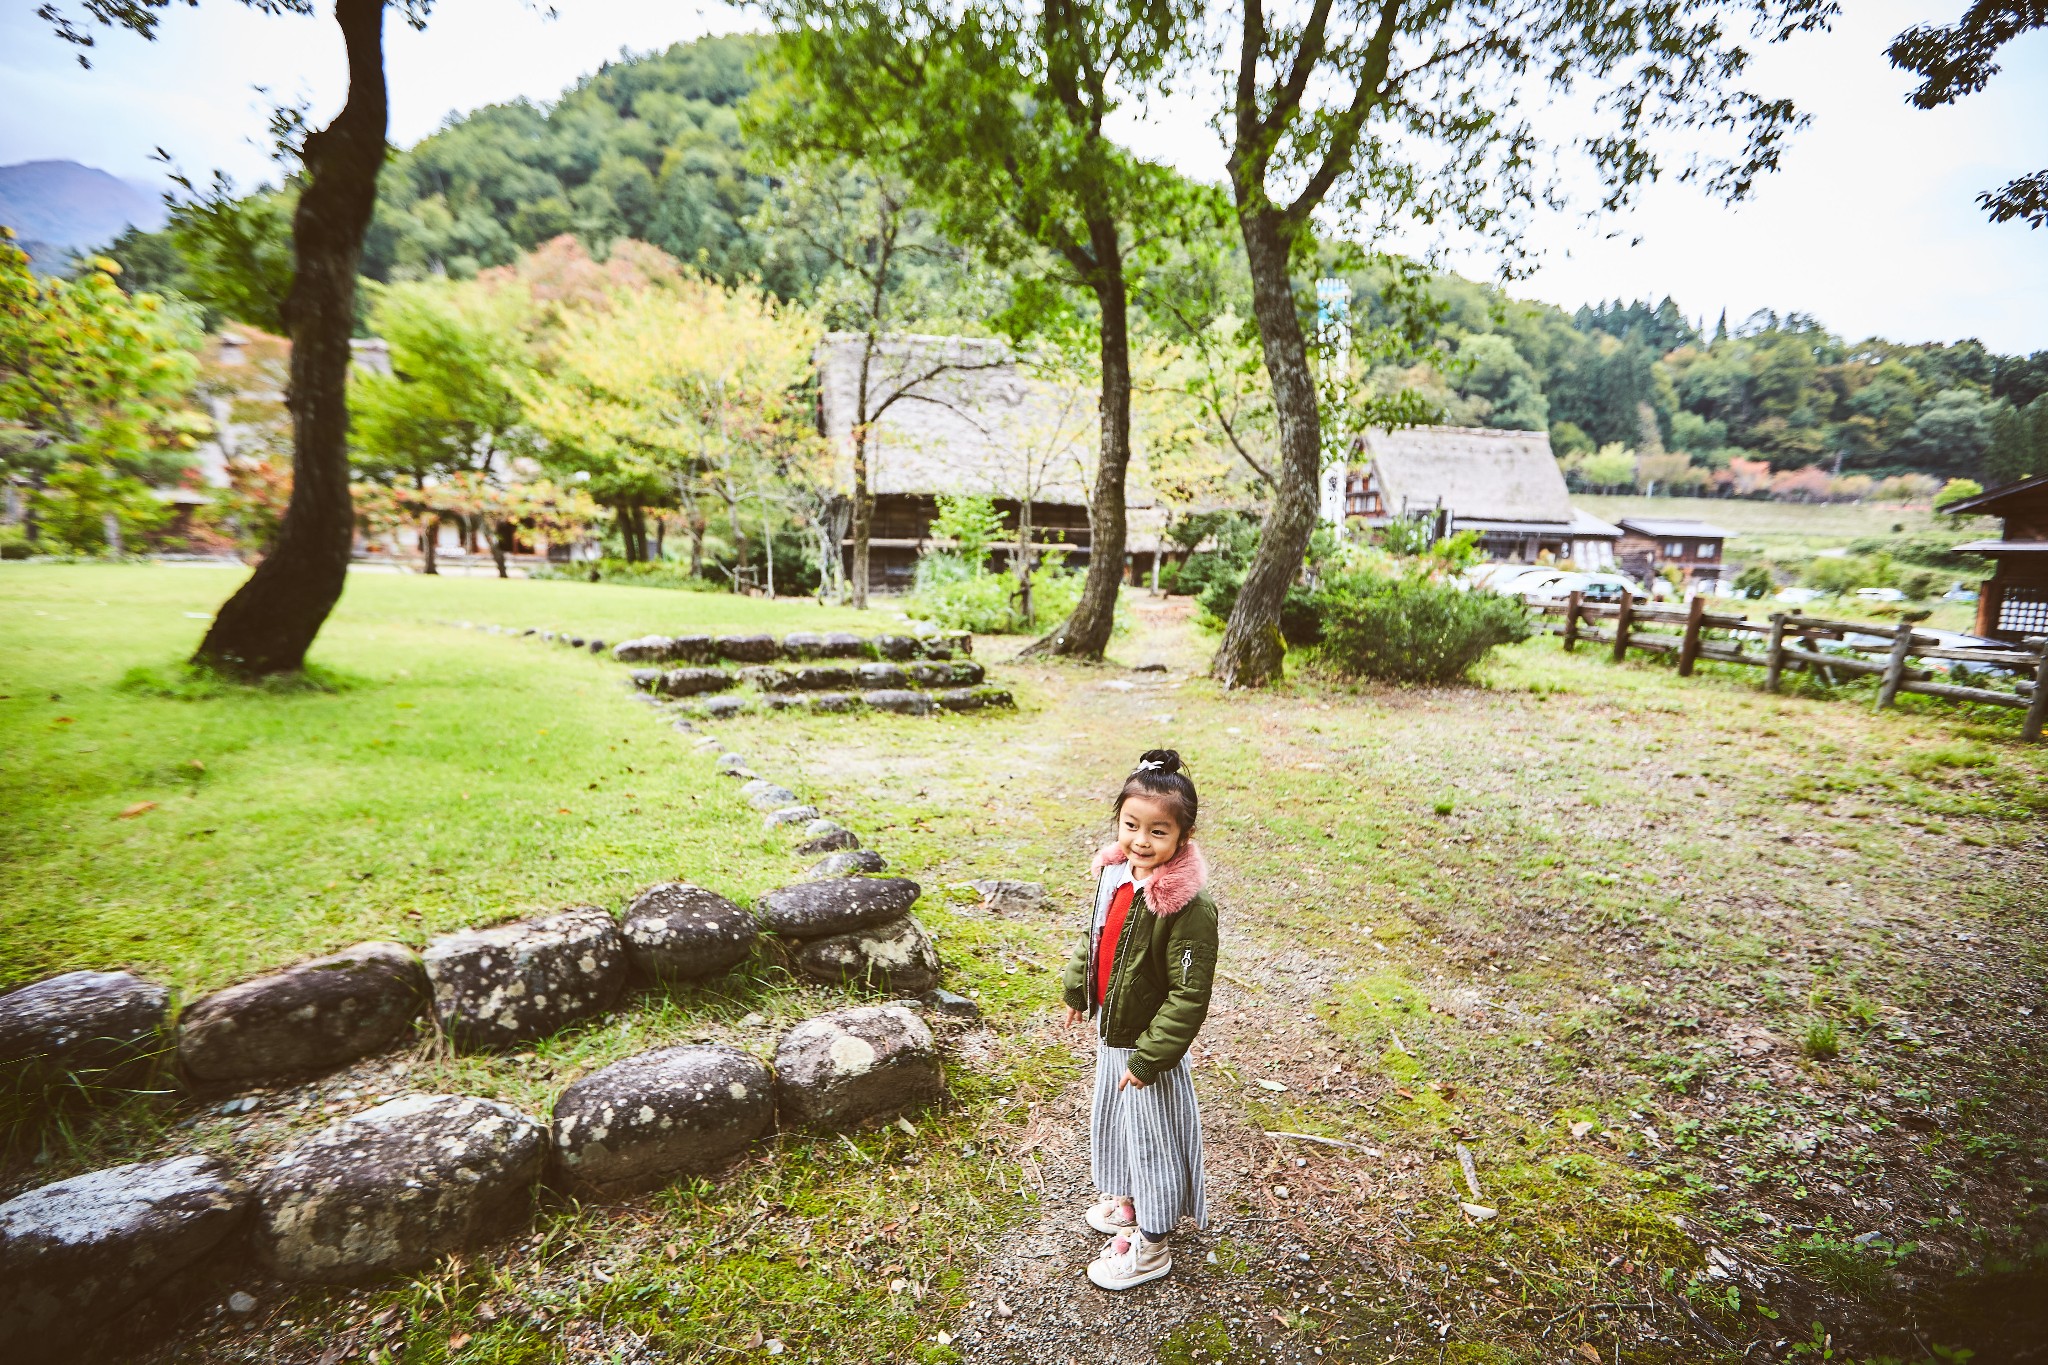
(1503, 484)
(960, 415)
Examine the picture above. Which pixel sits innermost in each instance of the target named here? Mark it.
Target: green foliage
(1408, 627)
(1755, 583)
(14, 543)
(1845, 573)
(949, 594)
(972, 524)
(94, 385)
(1822, 1040)
(235, 253)
(1955, 490)
(451, 402)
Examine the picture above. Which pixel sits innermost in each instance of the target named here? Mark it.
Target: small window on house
(1674, 549)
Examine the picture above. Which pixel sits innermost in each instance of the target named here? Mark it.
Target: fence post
(2038, 712)
(1689, 648)
(1571, 620)
(1621, 620)
(1774, 660)
(1895, 667)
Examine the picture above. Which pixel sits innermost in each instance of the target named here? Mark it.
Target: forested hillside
(1635, 396)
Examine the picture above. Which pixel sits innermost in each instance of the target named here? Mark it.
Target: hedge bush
(1411, 628)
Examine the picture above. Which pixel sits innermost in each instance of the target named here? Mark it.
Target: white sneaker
(1130, 1260)
(1112, 1216)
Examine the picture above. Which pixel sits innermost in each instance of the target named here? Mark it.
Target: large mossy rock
(394, 1187)
(838, 906)
(498, 988)
(674, 1111)
(896, 957)
(844, 1068)
(853, 862)
(691, 682)
(308, 1018)
(78, 1256)
(749, 649)
(678, 932)
(899, 700)
(97, 1026)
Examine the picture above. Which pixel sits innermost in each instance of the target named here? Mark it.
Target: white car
(1593, 587)
(1880, 594)
(1799, 597)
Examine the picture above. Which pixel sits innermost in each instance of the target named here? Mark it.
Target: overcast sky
(1871, 225)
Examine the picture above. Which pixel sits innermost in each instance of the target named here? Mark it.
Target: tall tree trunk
(863, 513)
(697, 527)
(501, 546)
(270, 622)
(1085, 634)
(1252, 650)
(430, 544)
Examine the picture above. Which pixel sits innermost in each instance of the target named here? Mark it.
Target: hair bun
(1160, 761)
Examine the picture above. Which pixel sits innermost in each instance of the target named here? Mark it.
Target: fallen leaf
(458, 1341)
(943, 1338)
(137, 809)
(1581, 1128)
(563, 811)
(196, 766)
(1274, 1086)
(906, 1125)
(1404, 1094)
(1479, 1211)
(1586, 1350)
(1003, 1310)
(61, 720)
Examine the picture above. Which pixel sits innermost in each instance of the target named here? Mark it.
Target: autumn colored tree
(671, 395)
(94, 399)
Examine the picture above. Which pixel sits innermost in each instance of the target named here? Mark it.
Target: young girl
(1143, 972)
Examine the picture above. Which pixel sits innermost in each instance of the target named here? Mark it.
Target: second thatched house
(1504, 485)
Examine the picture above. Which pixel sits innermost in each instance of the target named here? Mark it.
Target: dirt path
(1628, 1026)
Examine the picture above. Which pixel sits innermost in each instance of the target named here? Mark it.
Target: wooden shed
(2013, 603)
(1694, 548)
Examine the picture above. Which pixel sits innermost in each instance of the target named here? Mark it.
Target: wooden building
(2013, 603)
(1503, 485)
(1694, 548)
(969, 421)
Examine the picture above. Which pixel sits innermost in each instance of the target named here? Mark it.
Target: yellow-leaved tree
(679, 394)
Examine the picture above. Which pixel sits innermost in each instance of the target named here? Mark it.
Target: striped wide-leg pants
(1148, 1143)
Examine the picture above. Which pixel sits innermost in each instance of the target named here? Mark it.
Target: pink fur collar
(1173, 885)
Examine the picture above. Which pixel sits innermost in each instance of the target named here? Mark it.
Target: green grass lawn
(454, 778)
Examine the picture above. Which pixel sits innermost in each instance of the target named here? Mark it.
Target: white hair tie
(1150, 763)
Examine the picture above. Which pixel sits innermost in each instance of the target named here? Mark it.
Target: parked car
(1880, 594)
(1593, 587)
(1799, 597)
(1507, 578)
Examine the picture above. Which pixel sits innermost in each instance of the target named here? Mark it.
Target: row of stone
(898, 702)
(800, 646)
(690, 682)
(391, 1189)
(489, 989)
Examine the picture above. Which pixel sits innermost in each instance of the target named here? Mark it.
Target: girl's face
(1147, 831)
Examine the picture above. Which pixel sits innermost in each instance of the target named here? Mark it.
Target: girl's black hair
(1160, 774)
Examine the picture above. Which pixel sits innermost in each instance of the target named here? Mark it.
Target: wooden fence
(1792, 640)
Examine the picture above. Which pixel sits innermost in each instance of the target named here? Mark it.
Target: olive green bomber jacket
(1163, 972)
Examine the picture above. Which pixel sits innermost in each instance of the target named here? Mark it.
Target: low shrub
(1411, 628)
(1301, 621)
(955, 597)
(14, 543)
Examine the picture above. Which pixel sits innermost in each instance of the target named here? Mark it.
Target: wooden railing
(1792, 640)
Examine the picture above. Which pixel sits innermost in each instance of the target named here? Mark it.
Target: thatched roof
(1478, 473)
(972, 420)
